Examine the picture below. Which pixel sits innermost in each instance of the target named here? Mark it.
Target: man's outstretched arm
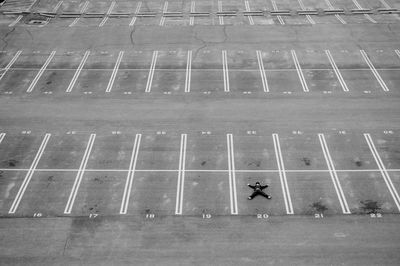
(253, 187)
(262, 187)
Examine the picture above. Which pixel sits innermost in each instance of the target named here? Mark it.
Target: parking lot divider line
(333, 174)
(151, 71)
(165, 10)
(336, 70)
(385, 4)
(107, 14)
(130, 176)
(221, 18)
(192, 10)
(357, 4)
(397, 52)
(225, 70)
(16, 21)
(9, 65)
(55, 9)
(138, 6)
(29, 175)
(79, 175)
(188, 71)
(115, 70)
(83, 10)
(262, 71)
(77, 72)
(367, 16)
(282, 174)
(340, 19)
(383, 170)
(2, 135)
(374, 71)
(39, 74)
(299, 71)
(275, 7)
(181, 176)
(231, 174)
(250, 18)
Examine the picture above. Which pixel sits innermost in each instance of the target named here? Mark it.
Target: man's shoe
(268, 197)
(249, 198)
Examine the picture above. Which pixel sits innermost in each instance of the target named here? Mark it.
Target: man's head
(257, 183)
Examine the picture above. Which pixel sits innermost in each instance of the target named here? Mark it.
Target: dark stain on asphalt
(319, 207)
(370, 206)
(203, 163)
(255, 163)
(50, 180)
(12, 162)
(306, 161)
(358, 163)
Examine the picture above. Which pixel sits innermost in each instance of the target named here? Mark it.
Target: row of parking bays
(176, 71)
(253, 12)
(168, 173)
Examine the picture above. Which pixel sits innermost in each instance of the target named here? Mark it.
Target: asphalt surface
(91, 109)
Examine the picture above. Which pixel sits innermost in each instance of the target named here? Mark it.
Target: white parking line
(225, 70)
(181, 176)
(385, 4)
(383, 170)
(29, 175)
(330, 6)
(78, 71)
(55, 9)
(221, 18)
(232, 175)
(367, 16)
(299, 71)
(165, 10)
(16, 21)
(188, 71)
(262, 71)
(374, 71)
(275, 7)
(79, 175)
(131, 175)
(333, 174)
(251, 21)
(282, 175)
(139, 5)
(370, 18)
(8, 66)
(83, 10)
(108, 13)
(336, 70)
(192, 10)
(39, 74)
(151, 71)
(2, 135)
(303, 7)
(114, 73)
(397, 52)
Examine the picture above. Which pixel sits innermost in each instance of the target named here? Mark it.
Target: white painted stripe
(55, 9)
(181, 176)
(340, 19)
(39, 74)
(29, 175)
(333, 174)
(262, 71)
(299, 71)
(188, 71)
(385, 4)
(2, 135)
(15, 21)
(336, 70)
(382, 168)
(225, 70)
(33, 3)
(303, 7)
(151, 71)
(78, 71)
(83, 10)
(165, 10)
(374, 71)
(139, 5)
(275, 7)
(114, 73)
(221, 18)
(282, 175)
(232, 175)
(4, 70)
(131, 175)
(397, 52)
(251, 21)
(108, 13)
(192, 10)
(367, 16)
(357, 4)
(329, 4)
(79, 175)
(310, 19)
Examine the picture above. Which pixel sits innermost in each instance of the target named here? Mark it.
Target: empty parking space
(207, 65)
(204, 8)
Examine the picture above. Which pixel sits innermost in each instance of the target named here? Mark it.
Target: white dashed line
(225, 70)
(107, 14)
(131, 175)
(4, 70)
(374, 71)
(29, 175)
(383, 170)
(262, 71)
(114, 73)
(282, 175)
(79, 175)
(39, 74)
(151, 71)
(299, 71)
(232, 175)
(188, 71)
(139, 5)
(181, 175)
(336, 70)
(333, 174)
(78, 71)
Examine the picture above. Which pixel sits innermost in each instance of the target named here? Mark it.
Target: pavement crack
(5, 37)
(131, 37)
(65, 245)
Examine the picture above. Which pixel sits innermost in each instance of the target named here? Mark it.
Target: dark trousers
(255, 193)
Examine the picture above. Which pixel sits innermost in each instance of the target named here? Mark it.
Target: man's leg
(262, 193)
(252, 195)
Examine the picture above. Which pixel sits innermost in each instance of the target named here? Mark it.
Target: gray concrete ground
(131, 140)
